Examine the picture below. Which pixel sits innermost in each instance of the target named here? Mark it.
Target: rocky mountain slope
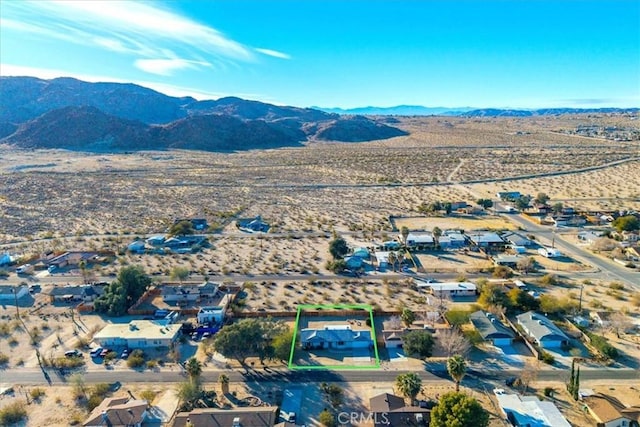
(72, 114)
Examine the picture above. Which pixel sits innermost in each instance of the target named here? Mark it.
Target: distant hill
(69, 113)
(400, 110)
(418, 110)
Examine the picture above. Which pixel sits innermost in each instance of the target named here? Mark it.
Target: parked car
(96, 352)
(104, 352)
(125, 354)
(206, 335)
(72, 353)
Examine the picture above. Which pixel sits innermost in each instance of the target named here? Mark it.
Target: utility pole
(580, 301)
(15, 297)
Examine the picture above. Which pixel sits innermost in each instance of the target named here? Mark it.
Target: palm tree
(457, 368)
(83, 271)
(437, 232)
(224, 383)
(194, 369)
(409, 385)
(392, 260)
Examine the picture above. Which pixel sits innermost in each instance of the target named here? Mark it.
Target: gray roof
(516, 239)
(87, 290)
(9, 289)
(540, 328)
(485, 237)
(334, 335)
(489, 326)
(208, 417)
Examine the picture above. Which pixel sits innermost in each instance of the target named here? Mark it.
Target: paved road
(608, 269)
(36, 376)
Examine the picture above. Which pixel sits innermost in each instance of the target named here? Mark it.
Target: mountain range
(419, 110)
(73, 114)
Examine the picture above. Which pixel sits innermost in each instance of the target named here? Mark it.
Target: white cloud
(139, 29)
(274, 53)
(166, 67)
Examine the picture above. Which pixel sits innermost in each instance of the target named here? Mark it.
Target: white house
(449, 289)
(420, 239)
(138, 334)
(549, 252)
(382, 259)
(136, 246)
(530, 411)
(545, 333)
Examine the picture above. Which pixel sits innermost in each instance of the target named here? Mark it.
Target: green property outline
(364, 307)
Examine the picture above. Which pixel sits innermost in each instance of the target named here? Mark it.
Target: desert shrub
(549, 280)
(4, 273)
(5, 329)
(473, 336)
(36, 393)
(67, 362)
(603, 346)
(616, 286)
(457, 317)
(136, 359)
(635, 299)
(101, 390)
(93, 402)
(152, 364)
(547, 358)
(4, 359)
(13, 413)
(148, 395)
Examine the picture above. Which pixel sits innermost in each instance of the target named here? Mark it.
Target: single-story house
(420, 240)
(393, 337)
(5, 259)
(450, 289)
(610, 412)
(545, 333)
(70, 258)
(382, 259)
(261, 416)
(157, 240)
(118, 412)
(507, 260)
(138, 334)
(590, 236)
(486, 239)
(252, 225)
(491, 328)
(338, 337)
(517, 239)
(600, 318)
(361, 253)
(390, 245)
(136, 246)
(530, 411)
(549, 252)
(10, 293)
(189, 293)
(389, 410)
(458, 205)
(452, 241)
(353, 262)
(211, 314)
(508, 195)
(84, 293)
(198, 224)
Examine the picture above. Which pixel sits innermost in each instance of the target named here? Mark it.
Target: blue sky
(339, 53)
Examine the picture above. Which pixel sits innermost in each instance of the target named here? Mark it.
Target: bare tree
(435, 304)
(618, 322)
(394, 323)
(529, 373)
(452, 341)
